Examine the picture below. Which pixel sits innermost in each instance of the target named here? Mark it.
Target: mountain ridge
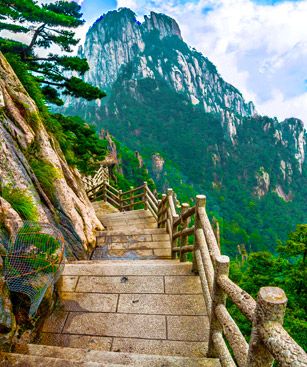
(168, 102)
(189, 76)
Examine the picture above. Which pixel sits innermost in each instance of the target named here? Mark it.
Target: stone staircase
(132, 235)
(131, 305)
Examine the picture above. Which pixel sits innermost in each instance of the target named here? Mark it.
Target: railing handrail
(269, 340)
(127, 200)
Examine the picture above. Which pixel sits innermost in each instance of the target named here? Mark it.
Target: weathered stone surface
(183, 285)
(20, 360)
(67, 283)
(162, 304)
(140, 245)
(20, 126)
(124, 243)
(9, 218)
(162, 252)
(7, 318)
(161, 347)
(160, 237)
(129, 267)
(127, 230)
(190, 328)
(93, 302)
(130, 253)
(122, 325)
(122, 284)
(55, 322)
(131, 359)
(76, 341)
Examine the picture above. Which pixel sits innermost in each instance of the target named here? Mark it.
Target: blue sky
(259, 46)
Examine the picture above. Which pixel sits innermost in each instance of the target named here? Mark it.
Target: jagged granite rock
(165, 97)
(7, 318)
(22, 127)
(9, 218)
(263, 183)
(155, 49)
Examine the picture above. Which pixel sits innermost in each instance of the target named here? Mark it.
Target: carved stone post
(104, 192)
(216, 229)
(184, 240)
(171, 216)
(161, 214)
(169, 219)
(120, 194)
(145, 196)
(131, 199)
(200, 202)
(271, 307)
(218, 298)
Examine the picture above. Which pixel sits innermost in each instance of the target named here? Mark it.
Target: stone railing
(135, 198)
(100, 176)
(269, 341)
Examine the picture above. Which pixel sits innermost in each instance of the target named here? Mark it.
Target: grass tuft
(21, 202)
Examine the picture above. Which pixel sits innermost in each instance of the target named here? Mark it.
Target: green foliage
(76, 87)
(27, 80)
(286, 270)
(296, 246)
(20, 201)
(46, 173)
(81, 144)
(48, 25)
(200, 159)
(132, 174)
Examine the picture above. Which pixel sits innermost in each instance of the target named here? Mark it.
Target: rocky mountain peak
(118, 45)
(165, 25)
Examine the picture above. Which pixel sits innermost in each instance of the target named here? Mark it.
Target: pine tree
(48, 25)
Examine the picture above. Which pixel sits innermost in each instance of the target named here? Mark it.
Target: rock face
(22, 131)
(166, 98)
(7, 318)
(123, 53)
(263, 183)
(155, 49)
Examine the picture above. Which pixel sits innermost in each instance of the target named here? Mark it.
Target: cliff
(25, 141)
(155, 49)
(195, 131)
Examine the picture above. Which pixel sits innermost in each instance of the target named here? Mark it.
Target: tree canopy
(48, 25)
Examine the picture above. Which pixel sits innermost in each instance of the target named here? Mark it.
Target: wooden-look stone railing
(135, 198)
(100, 176)
(191, 231)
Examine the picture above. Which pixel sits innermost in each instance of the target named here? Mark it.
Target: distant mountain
(194, 130)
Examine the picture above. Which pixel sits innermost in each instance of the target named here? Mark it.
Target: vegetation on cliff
(48, 25)
(170, 125)
(200, 159)
(287, 270)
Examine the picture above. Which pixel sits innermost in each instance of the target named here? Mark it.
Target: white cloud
(260, 49)
(286, 107)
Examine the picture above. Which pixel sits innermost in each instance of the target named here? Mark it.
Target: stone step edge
(40, 361)
(71, 353)
(161, 262)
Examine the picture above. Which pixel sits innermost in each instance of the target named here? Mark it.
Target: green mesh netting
(34, 261)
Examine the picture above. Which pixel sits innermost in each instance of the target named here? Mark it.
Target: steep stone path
(123, 312)
(132, 235)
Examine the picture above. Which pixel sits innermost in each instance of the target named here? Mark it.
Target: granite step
(80, 355)
(141, 213)
(134, 252)
(169, 284)
(126, 345)
(128, 267)
(22, 360)
(127, 231)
